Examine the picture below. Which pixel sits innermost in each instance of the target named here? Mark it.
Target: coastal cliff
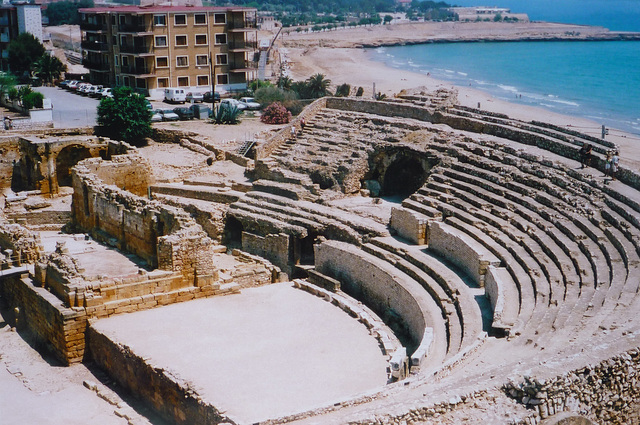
(450, 32)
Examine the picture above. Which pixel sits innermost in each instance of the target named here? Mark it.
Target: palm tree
(284, 82)
(318, 86)
(48, 68)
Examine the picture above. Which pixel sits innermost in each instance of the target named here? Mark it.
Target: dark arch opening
(403, 177)
(233, 233)
(67, 159)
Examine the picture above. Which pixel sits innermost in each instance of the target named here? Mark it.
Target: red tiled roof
(156, 9)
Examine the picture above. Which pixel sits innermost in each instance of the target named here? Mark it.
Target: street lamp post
(212, 74)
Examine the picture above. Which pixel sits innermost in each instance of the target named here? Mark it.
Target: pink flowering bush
(275, 113)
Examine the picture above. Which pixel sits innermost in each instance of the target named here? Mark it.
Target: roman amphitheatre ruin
(393, 262)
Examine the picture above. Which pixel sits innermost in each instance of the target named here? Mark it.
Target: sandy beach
(351, 65)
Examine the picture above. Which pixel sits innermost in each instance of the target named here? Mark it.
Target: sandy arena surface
(271, 351)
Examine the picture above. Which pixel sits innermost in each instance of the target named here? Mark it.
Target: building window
(161, 40)
(163, 82)
(202, 60)
(183, 81)
(200, 19)
(220, 18)
(117, 80)
(113, 19)
(123, 20)
(181, 40)
(180, 19)
(182, 60)
(201, 39)
(222, 79)
(114, 40)
(115, 60)
(203, 80)
(159, 20)
(125, 61)
(222, 59)
(162, 62)
(221, 38)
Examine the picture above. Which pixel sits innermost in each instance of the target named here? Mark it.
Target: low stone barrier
(461, 250)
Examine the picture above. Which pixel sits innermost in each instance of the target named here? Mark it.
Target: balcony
(95, 46)
(95, 65)
(243, 45)
(86, 26)
(134, 28)
(135, 70)
(242, 66)
(136, 49)
(239, 25)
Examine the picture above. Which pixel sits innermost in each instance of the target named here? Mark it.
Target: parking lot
(71, 109)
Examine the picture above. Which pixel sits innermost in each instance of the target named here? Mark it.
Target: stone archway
(405, 175)
(67, 159)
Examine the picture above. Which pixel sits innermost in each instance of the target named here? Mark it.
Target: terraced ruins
(499, 278)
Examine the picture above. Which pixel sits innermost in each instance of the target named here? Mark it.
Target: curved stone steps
(539, 289)
(452, 320)
(451, 282)
(390, 293)
(360, 224)
(573, 278)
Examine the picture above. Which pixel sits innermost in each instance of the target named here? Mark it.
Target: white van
(175, 95)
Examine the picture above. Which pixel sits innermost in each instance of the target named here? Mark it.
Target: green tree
(49, 68)
(125, 116)
(387, 19)
(32, 100)
(7, 82)
(497, 18)
(65, 11)
(318, 86)
(284, 82)
(24, 51)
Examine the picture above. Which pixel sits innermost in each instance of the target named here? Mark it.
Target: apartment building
(14, 20)
(157, 47)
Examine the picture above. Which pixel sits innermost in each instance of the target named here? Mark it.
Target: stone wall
(607, 392)
(176, 400)
(274, 248)
(268, 147)
(409, 225)
(24, 246)
(9, 154)
(461, 250)
(130, 172)
(59, 328)
(375, 283)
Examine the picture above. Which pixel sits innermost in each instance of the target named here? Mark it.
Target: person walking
(615, 161)
(585, 155)
(608, 162)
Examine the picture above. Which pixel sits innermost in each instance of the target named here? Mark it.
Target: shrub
(275, 113)
(226, 115)
(343, 90)
(268, 95)
(359, 92)
(32, 100)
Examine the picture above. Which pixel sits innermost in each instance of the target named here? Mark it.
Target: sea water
(599, 80)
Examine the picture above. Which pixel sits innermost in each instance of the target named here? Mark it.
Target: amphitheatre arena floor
(268, 352)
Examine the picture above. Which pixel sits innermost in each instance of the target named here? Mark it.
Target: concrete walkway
(268, 352)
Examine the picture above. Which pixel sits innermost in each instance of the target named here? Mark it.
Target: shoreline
(353, 66)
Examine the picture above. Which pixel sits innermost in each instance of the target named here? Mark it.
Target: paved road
(70, 109)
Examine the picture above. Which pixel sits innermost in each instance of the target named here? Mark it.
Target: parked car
(63, 84)
(73, 85)
(250, 103)
(184, 113)
(106, 92)
(93, 90)
(175, 95)
(156, 116)
(233, 102)
(148, 104)
(206, 97)
(168, 115)
(80, 88)
(194, 97)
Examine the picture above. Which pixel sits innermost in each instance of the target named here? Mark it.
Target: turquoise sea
(594, 79)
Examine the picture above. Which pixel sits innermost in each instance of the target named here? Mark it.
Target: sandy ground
(271, 351)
